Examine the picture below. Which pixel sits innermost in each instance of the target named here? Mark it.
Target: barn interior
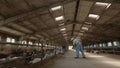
(44, 28)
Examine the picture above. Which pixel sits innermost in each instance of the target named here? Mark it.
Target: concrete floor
(92, 61)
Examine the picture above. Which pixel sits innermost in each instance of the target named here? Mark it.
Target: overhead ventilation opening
(89, 23)
(64, 34)
(94, 16)
(84, 28)
(56, 8)
(61, 24)
(63, 29)
(107, 5)
(59, 18)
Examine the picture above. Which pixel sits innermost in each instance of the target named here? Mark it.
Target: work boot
(76, 57)
(84, 57)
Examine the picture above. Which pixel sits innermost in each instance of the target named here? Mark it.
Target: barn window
(24, 42)
(109, 44)
(103, 45)
(8, 39)
(91, 46)
(36, 44)
(30, 43)
(12, 40)
(100, 45)
(40, 44)
(116, 43)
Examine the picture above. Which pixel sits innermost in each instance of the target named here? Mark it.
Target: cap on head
(72, 39)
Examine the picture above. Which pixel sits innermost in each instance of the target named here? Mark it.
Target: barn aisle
(92, 61)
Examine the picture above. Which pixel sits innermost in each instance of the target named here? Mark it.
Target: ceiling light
(85, 28)
(56, 8)
(103, 4)
(63, 29)
(59, 18)
(61, 24)
(94, 16)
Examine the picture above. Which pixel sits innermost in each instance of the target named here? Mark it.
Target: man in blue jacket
(78, 46)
